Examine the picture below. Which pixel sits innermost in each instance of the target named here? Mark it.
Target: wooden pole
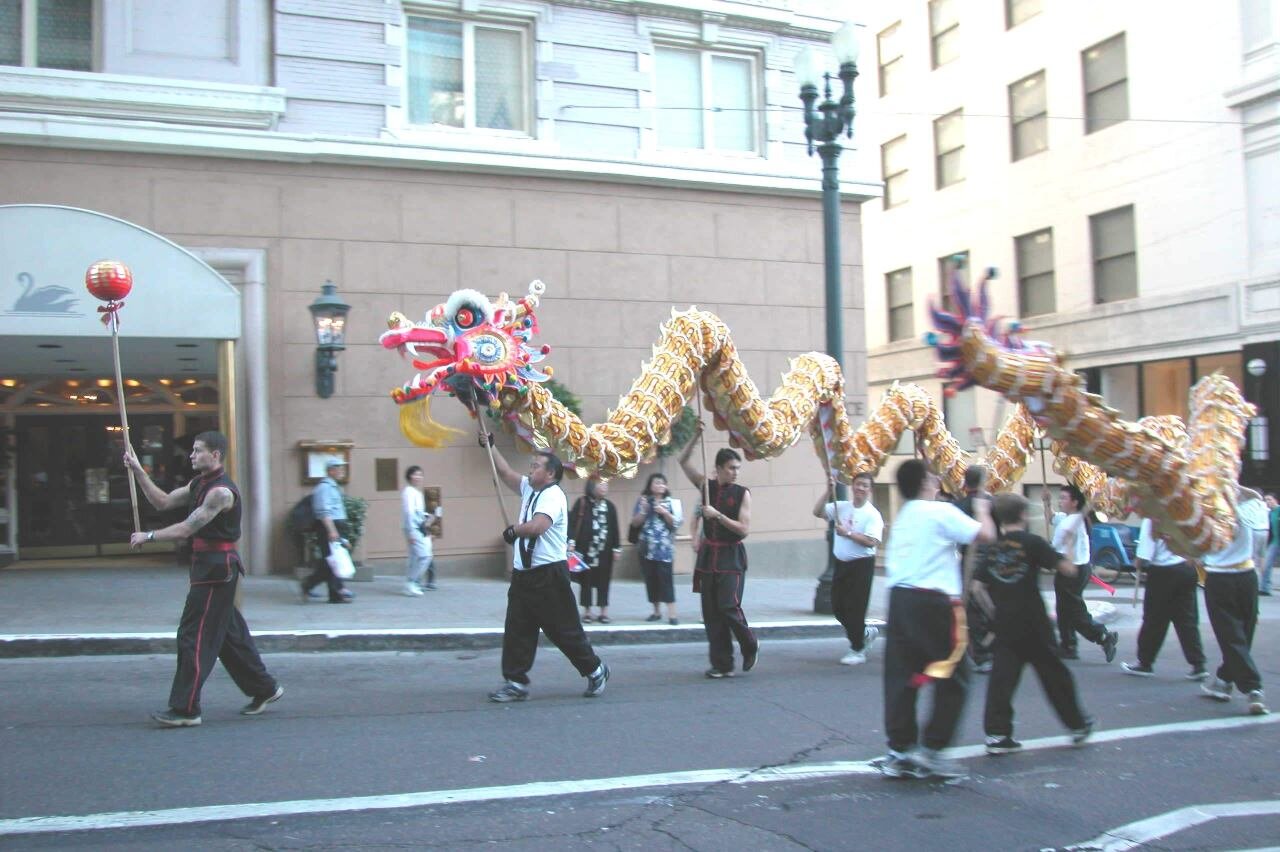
(493, 467)
(1044, 485)
(124, 416)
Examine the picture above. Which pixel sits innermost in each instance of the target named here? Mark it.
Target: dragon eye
(464, 318)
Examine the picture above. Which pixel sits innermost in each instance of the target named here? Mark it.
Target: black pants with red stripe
(213, 629)
(723, 618)
(922, 630)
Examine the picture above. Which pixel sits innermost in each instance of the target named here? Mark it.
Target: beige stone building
(400, 151)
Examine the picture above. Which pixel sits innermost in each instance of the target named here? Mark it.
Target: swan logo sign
(50, 300)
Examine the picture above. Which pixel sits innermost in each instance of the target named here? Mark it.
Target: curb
(427, 639)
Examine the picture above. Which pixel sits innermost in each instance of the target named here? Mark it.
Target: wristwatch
(151, 536)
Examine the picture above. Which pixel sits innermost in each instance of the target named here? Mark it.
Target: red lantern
(109, 280)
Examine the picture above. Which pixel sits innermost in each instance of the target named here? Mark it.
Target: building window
(1165, 385)
(47, 34)
(1028, 116)
(1106, 84)
(893, 168)
(1229, 364)
(706, 100)
(1018, 11)
(1115, 256)
(948, 143)
(944, 31)
(960, 414)
(948, 265)
(468, 75)
(889, 47)
(1035, 273)
(898, 297)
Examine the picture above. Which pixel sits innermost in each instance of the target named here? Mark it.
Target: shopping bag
(340, 563)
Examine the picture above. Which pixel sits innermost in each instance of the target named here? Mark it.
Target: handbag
(339, 561)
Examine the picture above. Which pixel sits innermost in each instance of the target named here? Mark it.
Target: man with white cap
(330, 509)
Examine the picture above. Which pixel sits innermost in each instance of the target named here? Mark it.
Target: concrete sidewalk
(134, 609)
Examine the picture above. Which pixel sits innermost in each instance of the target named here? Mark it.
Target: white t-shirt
(1152, 548)
(864, 519)
(1062, 526)
(1254, 514)
(922, 549)
(1239, 551)
(552, 545)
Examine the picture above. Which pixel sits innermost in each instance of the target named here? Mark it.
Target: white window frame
(31, 38)
(939, 154)
(889, 200)
(469, 75)
(705, 56)
(889, 35)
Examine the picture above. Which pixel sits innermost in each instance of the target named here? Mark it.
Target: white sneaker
(412, 590)
(853, 658)
(1257, 706)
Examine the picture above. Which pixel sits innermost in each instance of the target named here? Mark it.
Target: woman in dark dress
(593, 532)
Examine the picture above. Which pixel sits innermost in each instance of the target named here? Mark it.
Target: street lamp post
(329, 313)
(824, 124)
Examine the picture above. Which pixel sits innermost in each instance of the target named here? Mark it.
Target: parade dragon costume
(482, 352)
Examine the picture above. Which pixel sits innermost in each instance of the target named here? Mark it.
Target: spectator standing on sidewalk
(593, 528)
(859, 529)
(330, 509)
(654, 522)
(1071, 539)
(1170, 598)
(416, 524)
(927, 637)
(540, 597)
(211, 628)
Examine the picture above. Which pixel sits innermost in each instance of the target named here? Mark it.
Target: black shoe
(1109, 643)
(1080, 736)
(1002, 745)
(750, 658)
(654, 617)
(308, 593)
(717, 674)
(174, 719)
(509, 692)
(257, 705)
(1137, 669)
(596, 681)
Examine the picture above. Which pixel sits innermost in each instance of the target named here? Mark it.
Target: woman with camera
(653, 526)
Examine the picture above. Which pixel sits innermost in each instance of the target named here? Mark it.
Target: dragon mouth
(428, 349)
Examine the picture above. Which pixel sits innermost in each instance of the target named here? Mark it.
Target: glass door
(73, 491)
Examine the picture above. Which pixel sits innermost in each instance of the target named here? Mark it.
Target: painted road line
(1155, 828)
(539, 789)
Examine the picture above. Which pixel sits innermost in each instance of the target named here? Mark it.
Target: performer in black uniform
(211, 627)
(719, 574)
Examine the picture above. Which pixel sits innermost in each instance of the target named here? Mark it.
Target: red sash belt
(208, 545)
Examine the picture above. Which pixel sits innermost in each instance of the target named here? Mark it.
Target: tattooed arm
(217, 501)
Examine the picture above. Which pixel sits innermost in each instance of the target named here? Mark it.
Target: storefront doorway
(71, 485)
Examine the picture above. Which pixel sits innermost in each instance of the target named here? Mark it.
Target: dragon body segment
(694, 353)
(1181, 475)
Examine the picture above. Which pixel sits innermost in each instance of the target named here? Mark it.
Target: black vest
(225, 525)
(727, 501)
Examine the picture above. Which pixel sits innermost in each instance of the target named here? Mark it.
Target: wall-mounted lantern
(330, 315)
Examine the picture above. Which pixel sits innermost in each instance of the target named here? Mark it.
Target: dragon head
(470, 347)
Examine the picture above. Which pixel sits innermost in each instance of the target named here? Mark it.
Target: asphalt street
(401, 750)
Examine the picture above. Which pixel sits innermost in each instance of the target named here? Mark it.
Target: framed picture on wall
(317, 455)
